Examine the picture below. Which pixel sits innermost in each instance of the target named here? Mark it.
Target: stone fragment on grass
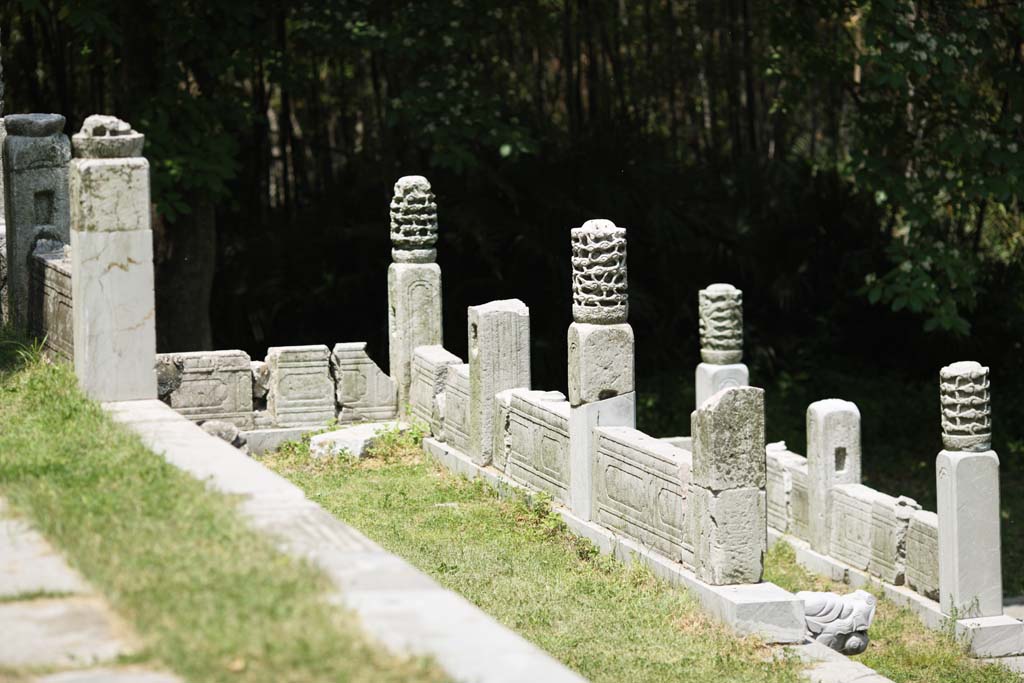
(353, 441)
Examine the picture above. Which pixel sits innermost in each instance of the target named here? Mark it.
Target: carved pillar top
(107, 137)
(966, 407)
(721, 324)
(599, 285)
(413, 221)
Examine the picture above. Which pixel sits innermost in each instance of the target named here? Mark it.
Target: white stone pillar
(36, 154)
(726, 510)
(602, 389)
(499, 359)
(414, 280)
(833, 458)
(721, 341)
(112, 263)
(967, 480)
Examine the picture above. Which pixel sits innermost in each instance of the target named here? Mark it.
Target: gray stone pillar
(833, 458)
(414, 280)
(36, 154)
(726, 514)
(499, 359)
(967, 481)
(721, 341)
(601, 368)
(112, 263)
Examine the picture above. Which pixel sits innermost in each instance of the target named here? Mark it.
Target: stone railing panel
(50, 308)
(538, 441)
(640, 486)
(923, 553)
(207, 385)
(429, 370)
(301, 391)
(852, 529)
(363, 391)
(454, 411)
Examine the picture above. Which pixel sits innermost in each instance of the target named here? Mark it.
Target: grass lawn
(210, 599)
(608, 621)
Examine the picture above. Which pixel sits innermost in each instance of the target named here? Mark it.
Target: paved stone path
(52, 621)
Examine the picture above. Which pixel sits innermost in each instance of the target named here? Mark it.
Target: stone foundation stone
(429, 369)
(923, 553)
(36, 204)
(833, 458)
(208, 385)
(970, 573)
(301, 390)
(363, 391)
(600, 362)
(499, 359)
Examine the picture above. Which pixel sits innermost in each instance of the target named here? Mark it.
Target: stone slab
(262, 441)
(208, 385)
(538, 441)
(499, 359)
(50, 315)
(301, 392)
(890, 521)
(61, 632)
(28, 564)
(999, 636)
(351, 441)
(601, 362)
(829, 666)
(923, 553)
(852, 531)
(119, 675)
(710, 379)
(619, 411)
(429, 370)
(780, 464)
(364, 392)
(454, 408)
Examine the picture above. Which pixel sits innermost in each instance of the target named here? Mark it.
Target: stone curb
(399, 606)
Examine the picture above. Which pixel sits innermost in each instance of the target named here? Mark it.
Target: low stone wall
(50, 309)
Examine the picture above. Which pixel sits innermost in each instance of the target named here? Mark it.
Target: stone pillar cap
(107, 137)
(970, 368)
(721, 287)
(34, 125)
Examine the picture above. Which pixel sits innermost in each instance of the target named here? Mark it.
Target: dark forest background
(855, 167)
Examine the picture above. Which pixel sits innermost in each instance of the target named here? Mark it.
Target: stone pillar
(721, 341)
(36, 154)
(967, 480)
(726, 514)
(499, 359)
(112, 263)
(414, 280)
(833, 458)
(601, 375)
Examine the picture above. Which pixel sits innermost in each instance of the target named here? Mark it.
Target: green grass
(517, 562)
(901, 647)
(210, 598)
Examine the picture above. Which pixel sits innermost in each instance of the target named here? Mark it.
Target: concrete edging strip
(398, 606)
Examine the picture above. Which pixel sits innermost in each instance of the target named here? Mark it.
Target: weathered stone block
(833, 458)
(260, 372)
(890, 518)
(640, 487)
(454, 408)
(301, 391)
(114, 314)
(923, 553)
(728, 440)
(538, 434)
(50, 305)
(712, 378)
(995, 636)
(600, 362)
(354, 441)
(208, 385)
(363, 391)
(414, 318)
(109, 195)
(852, 524)
(35, 203)
(728, 533)
(799, 502)
(502, 428)
(499, 359)
(613, 412)
(429, 369)
(970, 573)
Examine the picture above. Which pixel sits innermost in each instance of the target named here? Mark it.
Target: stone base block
(713, 378)
(1000, 636)
(351, 441)
(600, 362)
(613, 412)
(728, 534)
